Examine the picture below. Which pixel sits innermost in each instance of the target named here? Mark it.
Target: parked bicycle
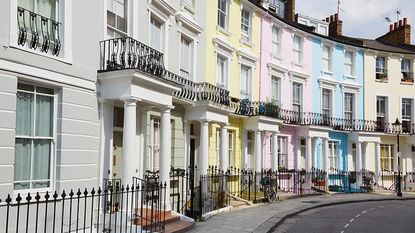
(367, 183)
(269, 186)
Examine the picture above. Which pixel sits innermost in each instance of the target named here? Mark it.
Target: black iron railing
(246, 107)
(350, 181)
(319, 119)
(38, 32)
(117, 208)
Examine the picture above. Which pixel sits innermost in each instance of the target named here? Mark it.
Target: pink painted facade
(286, 71)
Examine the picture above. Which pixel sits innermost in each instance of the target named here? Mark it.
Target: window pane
(22, 163)
(24, 114)
(155, 35)
(27, 4)
(185, 58)
(41, 163)
(47, 8)
(44, 109)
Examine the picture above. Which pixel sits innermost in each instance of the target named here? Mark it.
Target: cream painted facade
(394, 89)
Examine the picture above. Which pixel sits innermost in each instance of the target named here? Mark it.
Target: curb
(282, 220)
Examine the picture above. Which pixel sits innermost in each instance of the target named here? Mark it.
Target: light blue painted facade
(338, 84)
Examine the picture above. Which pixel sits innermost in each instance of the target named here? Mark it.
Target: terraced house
(178, 108)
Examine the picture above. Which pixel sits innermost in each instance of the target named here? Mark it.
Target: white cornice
(163, 6)
(217, 41)
(188, 23)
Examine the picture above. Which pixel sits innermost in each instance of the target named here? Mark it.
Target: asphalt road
(365, 217)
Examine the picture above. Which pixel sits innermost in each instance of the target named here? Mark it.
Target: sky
(361, 18)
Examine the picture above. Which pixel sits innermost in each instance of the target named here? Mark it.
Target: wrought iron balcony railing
(38, 32)
(246, 107)
(319, 119)
(128, 53)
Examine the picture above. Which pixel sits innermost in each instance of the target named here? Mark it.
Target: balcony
(381, 74)
(246, 107)
(127, 53)
(38, 32)
(407, 77)
(318, 119)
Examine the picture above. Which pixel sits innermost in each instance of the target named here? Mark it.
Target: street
(383, 216)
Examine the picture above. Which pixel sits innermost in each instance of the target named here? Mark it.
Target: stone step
(178, 226)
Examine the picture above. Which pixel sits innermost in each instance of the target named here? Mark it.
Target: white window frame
(249, 148)
(154, 144)
(333, 154)
(226, 13)
(225, 72)
(329, 108)
(65, 17)
(386, 102)
(231, 149)
(53, 139)
(353, 110)
(407, 117)
(276, 41)
(114, 29)
(300, 104)
(390, 157)
(409, 70)
(246, 36)
(282, 151)
(217, 147)
(328, 59)
(275, 79)
(156, 18)
(299, 50)
(249, 80)
(190, 56)
(352, 64)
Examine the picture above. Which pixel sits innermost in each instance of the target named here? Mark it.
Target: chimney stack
(335, 25)
(399, 33)
(290, 10)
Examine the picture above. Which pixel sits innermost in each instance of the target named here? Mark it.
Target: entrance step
(174, 223)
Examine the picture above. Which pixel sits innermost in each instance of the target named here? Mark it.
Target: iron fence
(116, 208)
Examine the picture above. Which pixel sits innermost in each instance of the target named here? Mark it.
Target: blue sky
(361, 18)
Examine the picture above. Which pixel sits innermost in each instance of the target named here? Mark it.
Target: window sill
(382, 80)
(246, 43)
(408, 83)
(276, 57)
(64, 59)
(222, 30)
(188, 8)
(327, 72)
(297, 64)
(349, 77)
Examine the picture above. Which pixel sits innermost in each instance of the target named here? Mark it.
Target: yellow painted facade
(229, 42)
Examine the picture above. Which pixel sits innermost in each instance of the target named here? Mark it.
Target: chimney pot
(336, 17)
(400, 23)
(391, 27)
(395, 25)
(331, 18)
(327, 19)
(405, 21)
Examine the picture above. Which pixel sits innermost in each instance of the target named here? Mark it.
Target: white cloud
(360, 18)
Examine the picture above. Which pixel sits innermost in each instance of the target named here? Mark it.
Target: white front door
(154, 145)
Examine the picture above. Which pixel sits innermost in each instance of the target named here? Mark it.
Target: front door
(154, 147)
(117, 155)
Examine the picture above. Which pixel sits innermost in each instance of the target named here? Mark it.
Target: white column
(186, 130)
(204, 147)
(258, 151)
(224, 155)
(274, 158)
(107, 115)
(326, 154)
(143, 144)
(165, 151)
(358, 156)
(129, 155)
(309, 156)
(244, 148)
(377, 160)
(408, 159)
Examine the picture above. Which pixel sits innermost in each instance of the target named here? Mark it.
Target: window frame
(225, 72)
(246, 36)
(276, 44)
(248, 92)
(115, 29)
(282, 143)
(384, 100)
(298, 50)
(346, 111)
(276, 98)
(380, 69)
(299, 86)
(389, 159)
(33, 137)
(327, 59)
(333, 154)
(162, 37)
(231, 148)
(190, 57)
(224, 13)
(351, 64)
(327, 109)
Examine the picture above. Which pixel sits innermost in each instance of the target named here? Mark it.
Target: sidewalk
(262, 217)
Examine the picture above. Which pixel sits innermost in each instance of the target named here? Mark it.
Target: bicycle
(366, 185)
(269, 186)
